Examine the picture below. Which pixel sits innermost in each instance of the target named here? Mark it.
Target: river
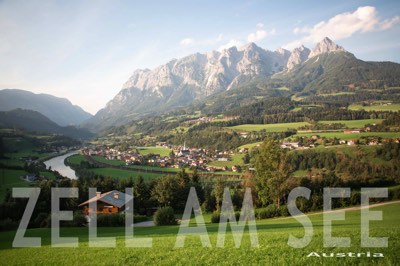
(57, 164)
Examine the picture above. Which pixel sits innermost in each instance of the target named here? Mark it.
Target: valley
(220, 123)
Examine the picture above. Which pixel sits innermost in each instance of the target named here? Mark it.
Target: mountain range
(59, 110)
(34, 121)
(326, 68)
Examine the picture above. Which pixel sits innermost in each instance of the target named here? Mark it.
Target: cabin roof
(110, 198)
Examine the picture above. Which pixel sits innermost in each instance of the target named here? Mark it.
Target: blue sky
(86, 50)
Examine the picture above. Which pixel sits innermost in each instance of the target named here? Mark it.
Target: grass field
(341, 135)
(354, 123)
(9, 179)
(269, 127)
(250, 145)
(236, 159)
(17, 148)
(272, 235)
(395, 107)
(154, 150)
(76, 159)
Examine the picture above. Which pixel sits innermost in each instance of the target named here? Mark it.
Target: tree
(164, 191)
(141, 195)
(271, 171)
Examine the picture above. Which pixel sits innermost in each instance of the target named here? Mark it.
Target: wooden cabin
(106, 203)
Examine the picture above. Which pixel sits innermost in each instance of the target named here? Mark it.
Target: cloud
(260, 25)
(259, 35)
(344, 25)
(187, 42)
(389, 23)
(231, 43)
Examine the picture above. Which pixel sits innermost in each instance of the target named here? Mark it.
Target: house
(353, 131)
(108, 202)
(30, 177)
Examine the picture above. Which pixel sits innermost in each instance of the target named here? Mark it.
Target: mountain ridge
(59, 110)
(196, 77)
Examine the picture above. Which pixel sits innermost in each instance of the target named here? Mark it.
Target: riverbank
(57, 164)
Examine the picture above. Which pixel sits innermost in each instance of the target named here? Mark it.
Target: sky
(85, 50)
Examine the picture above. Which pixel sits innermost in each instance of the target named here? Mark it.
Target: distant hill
(59, 110)
(36, 122)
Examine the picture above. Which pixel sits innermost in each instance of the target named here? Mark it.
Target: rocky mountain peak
(298, 56)
(325, 46)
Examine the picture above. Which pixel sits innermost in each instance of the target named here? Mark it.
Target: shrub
(139, 218)
(394, 193)
(110, 220)
(7, 224)
(216, 216)
(283, 210)
(79, 219)
(164, 216)
(268, 212)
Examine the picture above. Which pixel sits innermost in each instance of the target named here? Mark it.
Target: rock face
(298, 56)
(182, 81)
(326, 46)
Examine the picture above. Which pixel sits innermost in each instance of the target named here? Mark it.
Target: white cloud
(259, 35)
(187, 42)
(344, 25)
(231, 43)
(260, 25)
(389, 23)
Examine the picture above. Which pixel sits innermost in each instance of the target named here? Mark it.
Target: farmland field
(354, 123)
(395, 107)
(235, 160)
(341, 135)
(272, 235)
(154, 150)
(269, 127)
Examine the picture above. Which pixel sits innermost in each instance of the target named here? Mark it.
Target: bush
(216, 216)
(394, 193)
(268, 212)
(79, 219)
(164, 216)
(110, 220)
(7, 224)
(283, 210)
(139, 218)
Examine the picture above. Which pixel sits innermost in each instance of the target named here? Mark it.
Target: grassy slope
(354, 123)
(9, 179)
(236, 159)
(392, 107)
(272, 235)
(269, 127)
(341, 135)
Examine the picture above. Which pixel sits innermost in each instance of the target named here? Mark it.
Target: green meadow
(273, 248)
(395, 107)
(155, 150)
(353, 136)
(9, 179)
(281, 127)
(354, 123)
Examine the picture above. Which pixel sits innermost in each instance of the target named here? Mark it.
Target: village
(179, 157)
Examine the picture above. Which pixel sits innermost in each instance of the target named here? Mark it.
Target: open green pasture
(272, 249)
(281, 127)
